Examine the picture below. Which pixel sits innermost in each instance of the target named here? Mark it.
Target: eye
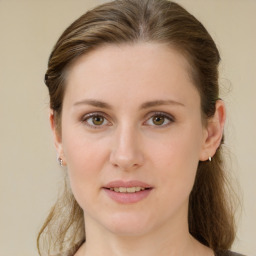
(95, 120)
(160, 119)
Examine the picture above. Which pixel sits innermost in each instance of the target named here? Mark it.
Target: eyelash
(164, 115)
(94, 114)
(167, 117)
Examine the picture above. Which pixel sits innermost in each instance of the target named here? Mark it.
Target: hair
(211, 212)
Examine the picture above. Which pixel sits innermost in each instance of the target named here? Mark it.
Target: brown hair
(211, 216)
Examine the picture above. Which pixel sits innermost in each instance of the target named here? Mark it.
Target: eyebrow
(160, 103)
(149, 104)
(95, 103)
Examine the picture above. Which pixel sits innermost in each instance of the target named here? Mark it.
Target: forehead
(130, 53)
(130, 71)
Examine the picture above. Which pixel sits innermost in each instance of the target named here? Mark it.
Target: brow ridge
(160, 103)
(149, 104)
(95, 103)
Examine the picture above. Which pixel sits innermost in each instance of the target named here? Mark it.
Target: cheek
(85, 160)
(177, 159)
(82, 151)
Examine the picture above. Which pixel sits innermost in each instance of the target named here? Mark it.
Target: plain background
(29, 174)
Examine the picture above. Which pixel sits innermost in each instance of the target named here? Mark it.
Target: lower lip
(127, 198)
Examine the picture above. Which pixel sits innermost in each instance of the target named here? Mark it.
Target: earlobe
(56, 136)
(214, 132)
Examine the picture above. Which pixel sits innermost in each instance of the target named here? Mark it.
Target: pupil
(97, 120)
(158, 120)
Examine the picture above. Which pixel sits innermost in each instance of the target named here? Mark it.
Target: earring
(60, 161)
(210, 159)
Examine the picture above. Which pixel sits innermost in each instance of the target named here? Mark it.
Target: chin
(125, 224)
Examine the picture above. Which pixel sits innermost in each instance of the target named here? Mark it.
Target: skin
(130, 144)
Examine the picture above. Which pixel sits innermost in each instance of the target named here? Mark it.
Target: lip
(127, 198)
(127, 184)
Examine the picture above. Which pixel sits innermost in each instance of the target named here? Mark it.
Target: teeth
(127, 190)
(130, 190)
(122, 190)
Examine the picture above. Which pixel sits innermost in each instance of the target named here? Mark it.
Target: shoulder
(227, 253)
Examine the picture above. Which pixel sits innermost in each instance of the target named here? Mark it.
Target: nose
(126, 153)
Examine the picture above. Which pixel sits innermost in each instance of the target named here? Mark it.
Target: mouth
(127, 192)
(131, 186)
(127, 189)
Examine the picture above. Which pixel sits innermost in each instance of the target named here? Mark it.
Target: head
(131, 22)
(135, 30)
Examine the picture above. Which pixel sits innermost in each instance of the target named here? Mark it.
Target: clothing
(227, 253)
(223, 253)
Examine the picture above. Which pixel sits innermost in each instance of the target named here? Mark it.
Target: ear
(57, 137)
(213, 132)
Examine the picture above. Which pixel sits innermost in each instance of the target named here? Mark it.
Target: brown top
(227, 253)
(223, 253)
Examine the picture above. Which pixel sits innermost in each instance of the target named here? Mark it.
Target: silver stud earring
(210, 159)
(60, 161)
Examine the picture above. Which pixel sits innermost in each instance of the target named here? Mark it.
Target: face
(132, 137)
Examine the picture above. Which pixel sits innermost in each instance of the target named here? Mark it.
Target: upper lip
(127, 184)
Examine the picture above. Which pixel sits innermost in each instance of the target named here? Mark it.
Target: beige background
(29, 174)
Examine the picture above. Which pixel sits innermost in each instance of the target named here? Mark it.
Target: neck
(177, 242)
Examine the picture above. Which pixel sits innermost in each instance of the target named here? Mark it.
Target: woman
(138, 124)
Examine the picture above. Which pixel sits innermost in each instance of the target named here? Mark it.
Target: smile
(127, 190)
